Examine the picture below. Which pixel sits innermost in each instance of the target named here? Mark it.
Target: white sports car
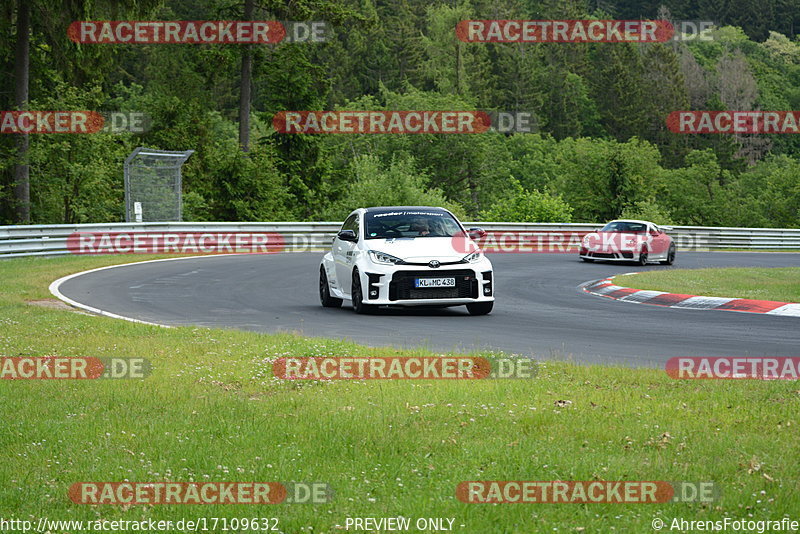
(406, 256)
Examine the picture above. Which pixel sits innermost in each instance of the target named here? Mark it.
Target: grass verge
(211, 410)
(780, 283)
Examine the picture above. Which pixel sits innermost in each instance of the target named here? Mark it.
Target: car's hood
(424, 249)
(616, 241)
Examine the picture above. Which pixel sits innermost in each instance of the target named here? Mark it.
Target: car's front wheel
(480, 308)
(325, 291)
(357, 295)
(670, 256)
(643, 257)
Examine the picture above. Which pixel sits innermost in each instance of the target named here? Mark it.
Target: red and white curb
(607, 288)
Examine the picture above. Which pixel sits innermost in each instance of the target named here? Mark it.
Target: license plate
(435, 282)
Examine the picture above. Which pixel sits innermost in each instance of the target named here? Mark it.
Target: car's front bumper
(627, 255)
(393, 285)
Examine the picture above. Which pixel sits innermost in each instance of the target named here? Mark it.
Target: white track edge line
(56, 285)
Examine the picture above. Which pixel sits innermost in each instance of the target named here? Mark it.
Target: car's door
(343, 254)
(658, 241)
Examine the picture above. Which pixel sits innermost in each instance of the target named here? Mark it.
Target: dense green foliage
(602, 150)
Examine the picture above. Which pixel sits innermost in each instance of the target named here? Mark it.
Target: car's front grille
(434, 293)
(442, 263)
(402, 287)
(611, 255)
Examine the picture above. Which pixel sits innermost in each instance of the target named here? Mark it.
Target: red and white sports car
(628, 240)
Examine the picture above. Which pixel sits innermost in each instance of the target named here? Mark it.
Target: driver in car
(420, 226)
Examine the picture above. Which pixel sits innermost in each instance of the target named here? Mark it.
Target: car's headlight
(383, 258)
(472, 258)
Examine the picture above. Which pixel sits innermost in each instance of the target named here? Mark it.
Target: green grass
(781, 284)
(212, 411)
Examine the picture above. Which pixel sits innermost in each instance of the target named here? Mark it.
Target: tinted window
(351, 223)
(411, 223)
(627, 227)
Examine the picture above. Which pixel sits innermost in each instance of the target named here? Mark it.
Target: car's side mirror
(346, 235)
(477, 233)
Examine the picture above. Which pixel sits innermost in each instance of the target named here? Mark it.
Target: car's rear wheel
(480, 308)
(325, 297)
(357, 296)
(643, 255)
(670, 256)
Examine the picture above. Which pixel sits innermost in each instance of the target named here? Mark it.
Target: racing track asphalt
(539, 310)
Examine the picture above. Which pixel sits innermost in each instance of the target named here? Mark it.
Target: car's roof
(386, 209)
(632, 221)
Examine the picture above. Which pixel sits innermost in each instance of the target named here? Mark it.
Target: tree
(521, 205)
(599, 179)
(397, 184)
(698, 88)
(77, 178)
(647, 210)
(451, 65)
(666, 87)
(250, 186)
(244, 93)
(22, 184)
(50, 31)
(738, 91)
(618, 90)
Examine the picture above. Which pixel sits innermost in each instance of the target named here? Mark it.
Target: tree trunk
(22, 184)
(458, 66)
(244, 93)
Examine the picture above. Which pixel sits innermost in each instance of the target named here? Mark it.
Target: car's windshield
(623, 226)
(410, 223)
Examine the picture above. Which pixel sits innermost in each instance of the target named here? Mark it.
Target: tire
(325, 297)
(480, 308)
(643, 255)
(588, 260)
(357, 296)
(670, 256)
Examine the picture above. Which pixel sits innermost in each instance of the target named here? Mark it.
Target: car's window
(351, 223)
(623, 226)
(410, 223)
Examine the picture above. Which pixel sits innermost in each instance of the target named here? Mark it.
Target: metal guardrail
(49, 240)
